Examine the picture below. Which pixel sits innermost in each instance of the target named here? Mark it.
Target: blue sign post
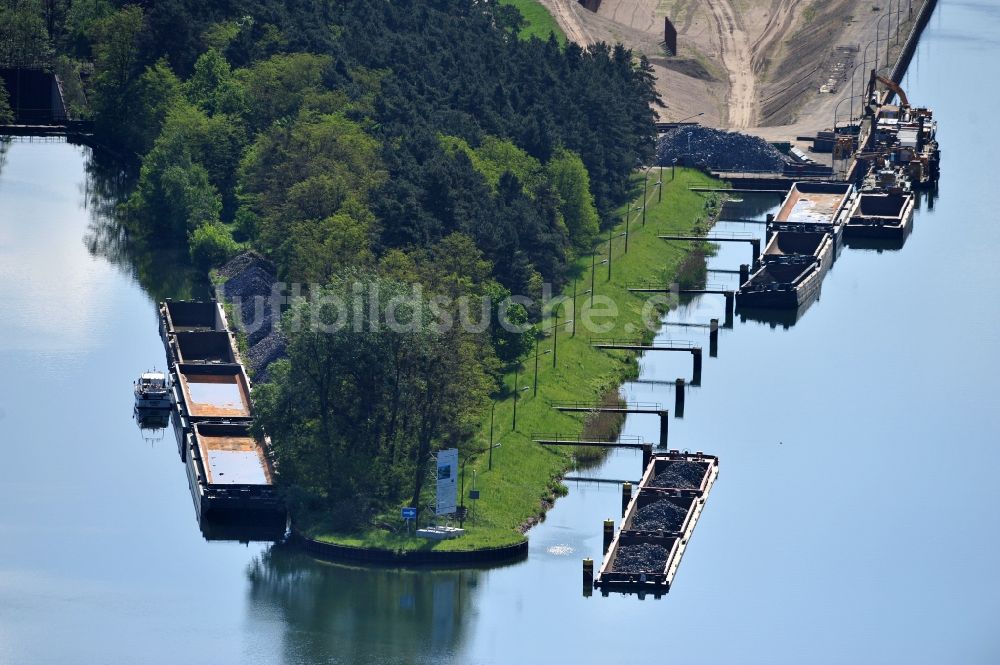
(409, 516)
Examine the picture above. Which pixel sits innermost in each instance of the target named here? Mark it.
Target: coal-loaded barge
(657, 525)
(230, 472)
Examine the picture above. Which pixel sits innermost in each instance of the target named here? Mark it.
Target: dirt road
(737, 56)
(564, 13)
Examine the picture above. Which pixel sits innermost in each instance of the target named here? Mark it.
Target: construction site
(778, 69)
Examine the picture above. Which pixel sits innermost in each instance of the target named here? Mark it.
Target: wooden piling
(627, 494)
(664, 428)
(647, 456)
(679, 398)
(588, 577)
(696, 356)
(730, 308)
(744, 273)
(609, 534)
(713, 338)
(755, 244)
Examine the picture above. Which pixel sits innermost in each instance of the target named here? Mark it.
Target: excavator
(904, 103)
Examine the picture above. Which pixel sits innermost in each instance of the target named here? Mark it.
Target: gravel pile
(660, 515)
(641, 558)
(242, 262)
(718, 150)
(249, 280)
(265, 352)
(681, 475)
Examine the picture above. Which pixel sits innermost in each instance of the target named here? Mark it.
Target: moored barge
(658, 524)
(815, 207)
(231, 475)
(880, 215)
(791, 272)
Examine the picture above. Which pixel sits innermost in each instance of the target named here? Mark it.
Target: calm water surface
(855, 518)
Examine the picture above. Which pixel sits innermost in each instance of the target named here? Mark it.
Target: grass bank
(539, 22)
(525, 476)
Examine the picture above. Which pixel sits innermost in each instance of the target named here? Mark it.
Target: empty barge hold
(177, 316)
(218, 392)
(815, 207)
(791, 272)
(203, 347)
(877, 215)
(645, 554)
(231, 475)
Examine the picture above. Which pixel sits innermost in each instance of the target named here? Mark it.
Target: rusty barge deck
(230, 473)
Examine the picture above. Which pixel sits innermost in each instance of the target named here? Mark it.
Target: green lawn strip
(539, 22)
(525, 475)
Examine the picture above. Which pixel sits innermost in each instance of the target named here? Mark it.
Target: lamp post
(492, 412)
(593, 273)
(610, 231)
(573, 334)
(517, 391)
(535, 393)
(628, 211)
(645, 185)
(696, 115)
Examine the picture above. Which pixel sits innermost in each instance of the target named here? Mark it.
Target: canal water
(855, 518)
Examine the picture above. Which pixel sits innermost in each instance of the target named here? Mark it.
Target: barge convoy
(900, 155)
(230, 471)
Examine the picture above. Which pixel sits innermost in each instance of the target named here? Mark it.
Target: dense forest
(397, 143)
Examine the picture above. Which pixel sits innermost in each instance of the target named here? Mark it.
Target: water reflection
(750, 205)
(4, 147)
(363, 615)
(163, 270)
(152, 424)
(786, 318)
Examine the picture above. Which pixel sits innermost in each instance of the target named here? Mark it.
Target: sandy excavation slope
(755, 65)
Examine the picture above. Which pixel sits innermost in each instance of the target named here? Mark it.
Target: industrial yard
(775, 68)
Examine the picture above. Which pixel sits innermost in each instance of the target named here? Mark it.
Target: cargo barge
(230, 475)
(658, 524)
(815, 207)
(791, 272)
(230, 472)
(879, 215)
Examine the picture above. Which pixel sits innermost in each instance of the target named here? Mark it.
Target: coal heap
(718, 150)
(662, 515)
(681, 475)
(641, 558)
